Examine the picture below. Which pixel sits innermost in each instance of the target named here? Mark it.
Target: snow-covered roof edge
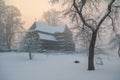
(47, 37)
(48, 28)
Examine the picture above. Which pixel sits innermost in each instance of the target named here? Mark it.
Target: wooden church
(52, 37)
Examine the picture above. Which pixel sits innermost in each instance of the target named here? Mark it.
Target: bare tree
(31, 43)
(11, 22)
(83, 10)
(2, 38)
(51, 17)
(115, 18)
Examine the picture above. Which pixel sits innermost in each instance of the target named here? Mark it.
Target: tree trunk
(9, 41)
(119, 50)
(30, 55)
(91, 51)
(9, 44)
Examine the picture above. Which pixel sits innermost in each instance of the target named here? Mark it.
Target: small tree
(31, 43)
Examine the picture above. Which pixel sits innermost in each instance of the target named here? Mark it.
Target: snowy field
(17, 66)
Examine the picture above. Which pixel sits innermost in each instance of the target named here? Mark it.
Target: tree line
(10, 25)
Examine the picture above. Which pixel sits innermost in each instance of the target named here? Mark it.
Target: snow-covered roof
(49, 29)
(47, 37)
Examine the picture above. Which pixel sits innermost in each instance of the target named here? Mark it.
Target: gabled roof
(46, 32)
(49, 29)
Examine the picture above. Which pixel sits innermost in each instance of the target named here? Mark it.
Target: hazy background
(31, 10)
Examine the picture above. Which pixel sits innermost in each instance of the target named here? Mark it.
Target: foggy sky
(31, 9)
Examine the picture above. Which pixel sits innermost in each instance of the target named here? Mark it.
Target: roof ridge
(49, 29)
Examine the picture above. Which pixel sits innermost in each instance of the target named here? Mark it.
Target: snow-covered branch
(106, 14)
(79, 11)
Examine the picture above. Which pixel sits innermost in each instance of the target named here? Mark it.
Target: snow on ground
(17, 66)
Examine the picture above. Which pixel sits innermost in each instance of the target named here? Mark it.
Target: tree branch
(106, 14)
(79, 11)
(114, 27)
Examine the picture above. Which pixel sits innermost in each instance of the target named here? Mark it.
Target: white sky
(31, 9)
